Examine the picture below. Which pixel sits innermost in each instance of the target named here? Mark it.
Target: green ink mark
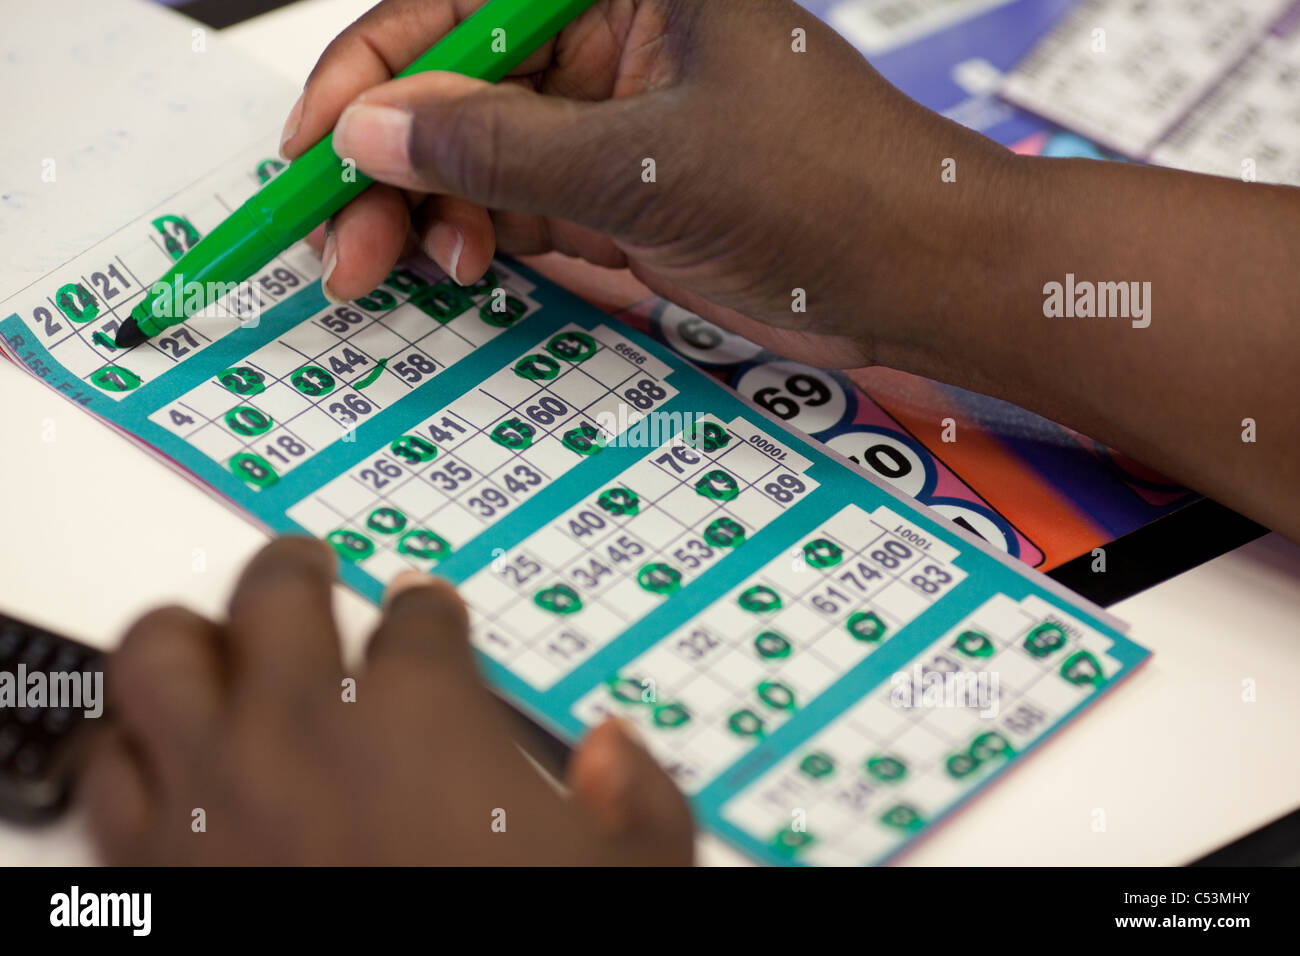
(114, 378)
(573, 347)
(990, 745)
(243, 380)
(725, 533)
(248, 421)
(351, 546)
(514, 433)
(386, 521)
(312, 380)
(983, 748)
(717, 485)
(178, 234)
(268, 169)
(821, 553)
(585, 440)
(865, 626)
(817, 765)
(776, 695)
(706, 436)
(1044, 639)
(961, 765)
(670, 715)
(75, 301)
(745, 723)
(370, 378)
(380, 300)
(442, 301)
(502, 318)
(414, 449)
(903, 817)
(619, 501)
(560, 599)
(404, 280)
(771, 645)
(537, 368)
(254, 469)
(789, 841)
(625, 690)
(1082, 668)
(759, 599)
(659, 578)
(886, 769)
(424, 544)
(104, 342)
(974, 644)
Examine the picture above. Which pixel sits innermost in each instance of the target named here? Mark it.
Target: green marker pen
(487, 45)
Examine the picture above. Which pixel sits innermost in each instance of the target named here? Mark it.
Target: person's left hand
(247, 721)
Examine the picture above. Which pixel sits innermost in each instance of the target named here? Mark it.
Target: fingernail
(291, 124)
(329, 261)
(377, 137)
(446, 243)
(405, 581)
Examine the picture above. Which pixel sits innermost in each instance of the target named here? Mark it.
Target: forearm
(1222, 259)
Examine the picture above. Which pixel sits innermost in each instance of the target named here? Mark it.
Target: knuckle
(457, 144)
(344, 48)
(629, 206)
(454, 157)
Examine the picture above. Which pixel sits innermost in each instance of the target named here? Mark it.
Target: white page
(131, 104)
(121, 103)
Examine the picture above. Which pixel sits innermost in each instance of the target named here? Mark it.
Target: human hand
(773, 170)
(247, 721)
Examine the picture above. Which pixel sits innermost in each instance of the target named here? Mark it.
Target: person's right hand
(773, 170)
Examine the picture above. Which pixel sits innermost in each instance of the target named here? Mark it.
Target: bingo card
(877, 26)
(1249, 127)
(1124, 72)
(826, 667)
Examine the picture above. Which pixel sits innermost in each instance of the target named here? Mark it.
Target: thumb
(629, 797)
(504, 147)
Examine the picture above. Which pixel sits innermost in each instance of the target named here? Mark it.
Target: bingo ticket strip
(630, 535)
(1249, 127)
(877, 26)
(1124, 72)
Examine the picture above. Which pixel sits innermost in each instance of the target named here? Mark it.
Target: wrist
(958, 261)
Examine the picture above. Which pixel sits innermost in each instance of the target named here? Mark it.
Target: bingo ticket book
(826, 667)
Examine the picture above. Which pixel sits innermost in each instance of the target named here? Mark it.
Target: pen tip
(129, 334)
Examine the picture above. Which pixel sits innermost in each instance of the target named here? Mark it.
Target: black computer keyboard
(38, 743)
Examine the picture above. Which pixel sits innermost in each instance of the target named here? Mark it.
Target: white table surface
(1175, 762)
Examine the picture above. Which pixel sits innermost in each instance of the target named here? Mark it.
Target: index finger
(374, 49)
